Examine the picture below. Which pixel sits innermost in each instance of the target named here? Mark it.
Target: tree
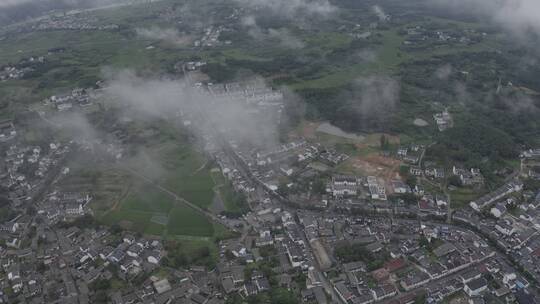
(283, 189)
(319, 186)
(41, 267)
(420, 299)
(229, 255)
(101, 284)
(409, 198)
(180, 259)
(115, 229)
(404, 171)
(454, 180)
(100, 297)
(411, 181)
(423, 242)
(384, 142)
(282, 296)
(203, 252)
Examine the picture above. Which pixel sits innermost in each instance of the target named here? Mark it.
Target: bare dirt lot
(376, 165)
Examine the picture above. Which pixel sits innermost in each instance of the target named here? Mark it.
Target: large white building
(344, 186)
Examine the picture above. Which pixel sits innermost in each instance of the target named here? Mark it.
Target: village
(74, 21)
(19, 70)
(425, 249)
(275, 152)
(331, 236)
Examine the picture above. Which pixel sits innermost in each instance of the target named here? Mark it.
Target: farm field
(150, 211)
(187, 173)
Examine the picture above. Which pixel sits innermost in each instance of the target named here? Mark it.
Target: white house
(505, 228)
(498, 210)
(475, 287)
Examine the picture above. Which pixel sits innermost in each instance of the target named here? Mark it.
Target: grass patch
(388, 58)
(133, 220)
(148, 201)
(185, 221)
(150, 211)
(461, 197)
(188, 176)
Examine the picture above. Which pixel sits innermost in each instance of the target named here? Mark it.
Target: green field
(151, 211)
(462, 197)
(187, 174)
(387, 59)
(171, 162)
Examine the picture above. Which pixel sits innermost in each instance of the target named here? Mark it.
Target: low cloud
(284, 37)
(376, 94)
(75, 125)
(293, 8)
(366, 55)
(371, 103)
(380, 13)
(517, 101)
(58, 3)
(19, 10)
(175, 100)
(169, 35)
(461, 93)
(518, 16)
(444, 72)
(7, 3)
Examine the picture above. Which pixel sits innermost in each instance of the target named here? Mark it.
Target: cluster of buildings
(454, 260)
(63, 206)
(429, 204)
(410, 154)
(54, 252)
(487, 200)
(513, 226)
(13, 73)
(471, 177)
(269, 166)
(405, 258)
(72, 22)
(77, 97)
(7, 130)
(17, 71)
(332, 157)
(376, 188)
(342, 186)
(420, 36)
(443, 120)
(194, 65)
(210, 37)
(412, 258)
(530, 163)
(64, 264)
(345, 186)
(253, 93)
(24, 170)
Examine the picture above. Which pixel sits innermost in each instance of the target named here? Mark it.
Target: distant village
(19, 70)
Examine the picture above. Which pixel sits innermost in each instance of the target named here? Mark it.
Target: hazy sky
(517, 16)
(4, 3)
